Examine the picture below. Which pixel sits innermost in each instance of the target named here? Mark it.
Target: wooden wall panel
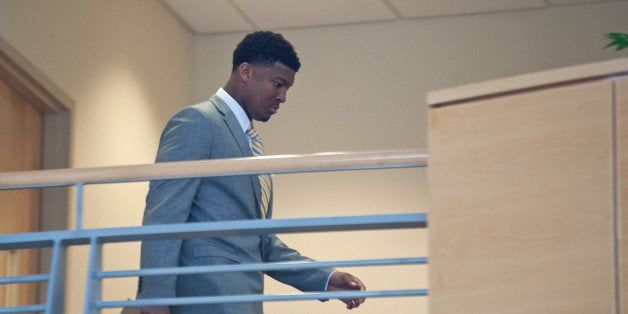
(20, 139)
(521, 203)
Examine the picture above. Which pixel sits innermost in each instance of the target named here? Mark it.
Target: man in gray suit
(264, 68)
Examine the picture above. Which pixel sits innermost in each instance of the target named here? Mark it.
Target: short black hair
(265, 48)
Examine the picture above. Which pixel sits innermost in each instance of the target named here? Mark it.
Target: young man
(264, 68)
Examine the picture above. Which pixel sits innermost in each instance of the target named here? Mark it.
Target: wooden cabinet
(528, 180)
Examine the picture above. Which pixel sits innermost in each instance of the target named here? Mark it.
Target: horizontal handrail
(37, 308)
(258, 267)
(24, 279)
(262, 298)
(215, 167)
(212, 229)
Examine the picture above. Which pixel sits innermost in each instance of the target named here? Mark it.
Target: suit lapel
(232, 125)
(240, 137)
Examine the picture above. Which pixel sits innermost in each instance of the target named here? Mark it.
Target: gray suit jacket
(210, 130)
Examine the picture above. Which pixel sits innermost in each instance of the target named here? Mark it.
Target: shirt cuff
(329, 278)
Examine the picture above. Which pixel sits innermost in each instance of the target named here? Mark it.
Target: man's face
(266, 89)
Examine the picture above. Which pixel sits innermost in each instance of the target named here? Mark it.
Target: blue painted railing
(59, 241)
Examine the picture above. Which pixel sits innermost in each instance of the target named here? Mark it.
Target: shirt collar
(237, 110)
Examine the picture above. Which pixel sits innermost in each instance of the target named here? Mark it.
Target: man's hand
(155, 310)
(343, 281)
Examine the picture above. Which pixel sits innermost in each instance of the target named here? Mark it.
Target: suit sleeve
(186, 137)
(276, 250)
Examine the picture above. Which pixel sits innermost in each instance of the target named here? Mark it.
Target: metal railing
(59, 241)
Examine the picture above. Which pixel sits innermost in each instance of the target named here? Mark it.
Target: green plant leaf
(618, 39)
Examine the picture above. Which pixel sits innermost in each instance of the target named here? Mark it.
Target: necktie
(264, 179)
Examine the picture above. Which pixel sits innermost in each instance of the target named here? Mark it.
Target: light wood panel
(20, 140)
(521, 203)
(529, 81)
(622, 188)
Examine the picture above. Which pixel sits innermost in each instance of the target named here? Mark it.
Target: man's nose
(282, 96)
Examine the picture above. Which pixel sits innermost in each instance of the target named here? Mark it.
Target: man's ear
(244, 71)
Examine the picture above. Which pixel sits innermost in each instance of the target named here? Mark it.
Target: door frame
(55, 107)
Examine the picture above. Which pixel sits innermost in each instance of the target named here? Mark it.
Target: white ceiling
(227, 16)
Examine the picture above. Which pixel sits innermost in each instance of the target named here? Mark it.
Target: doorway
(35, 133)
(21, 151)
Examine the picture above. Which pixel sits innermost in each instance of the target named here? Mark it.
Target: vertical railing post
(79, 205)
(56, 285)
(94, 284)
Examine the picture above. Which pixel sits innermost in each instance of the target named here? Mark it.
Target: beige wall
(362, 87)
(128, 65)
